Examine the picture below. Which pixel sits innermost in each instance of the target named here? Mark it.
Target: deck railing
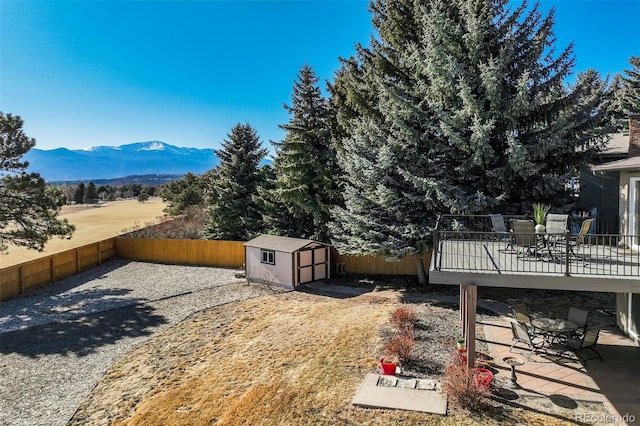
(468, 246)
(482, 222)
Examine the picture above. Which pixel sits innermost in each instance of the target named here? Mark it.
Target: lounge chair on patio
(521, 335)
(498, 226)
(521, 313)
(578, 345)
(525, 239)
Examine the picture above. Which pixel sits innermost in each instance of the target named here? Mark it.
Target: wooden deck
(492, 262)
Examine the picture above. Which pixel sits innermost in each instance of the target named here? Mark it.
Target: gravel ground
(58, 341)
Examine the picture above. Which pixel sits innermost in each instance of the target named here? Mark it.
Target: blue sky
(85, 73)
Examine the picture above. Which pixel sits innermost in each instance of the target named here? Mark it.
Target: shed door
(312, 264)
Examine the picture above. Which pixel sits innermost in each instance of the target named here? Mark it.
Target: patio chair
(555, 233)
(498, 226)
(521, 335)
(578, 240)
(578, 317)
(578, 345)
(521, 313)
(556, 223)
(525, 240)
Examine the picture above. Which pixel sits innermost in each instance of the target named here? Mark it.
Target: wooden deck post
(469, 298)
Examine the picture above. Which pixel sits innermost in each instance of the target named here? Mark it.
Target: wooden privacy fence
(230, 254)
(226, 254)
(378, 265)
(17, 279)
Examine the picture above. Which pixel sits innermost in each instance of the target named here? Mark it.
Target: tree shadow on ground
(82, 335)
(64, 299)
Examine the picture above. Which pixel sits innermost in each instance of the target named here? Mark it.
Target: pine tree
(28, 207)
(233, 214)
(91, 193)
(277, 220)
(305, 167)
(78, 195)
(470, 115)
(625, 94)
(186, 192)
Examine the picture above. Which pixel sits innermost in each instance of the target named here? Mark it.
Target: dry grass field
(93, 224)
(291, 359)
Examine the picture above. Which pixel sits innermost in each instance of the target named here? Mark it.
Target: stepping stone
(426, 384)
(407, 383)
(388, 381)
(371, 395)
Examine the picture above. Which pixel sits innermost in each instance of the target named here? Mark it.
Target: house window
(268, 257)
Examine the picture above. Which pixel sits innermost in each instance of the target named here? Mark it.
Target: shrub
(400, 346)
(189, 225)
(403, 319)
(460, 387)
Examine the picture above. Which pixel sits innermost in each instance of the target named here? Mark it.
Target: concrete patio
(614, 381)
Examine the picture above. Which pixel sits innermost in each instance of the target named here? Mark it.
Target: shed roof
(277, 243)
(631, 163)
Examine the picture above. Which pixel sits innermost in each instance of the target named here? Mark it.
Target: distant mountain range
(108, 162)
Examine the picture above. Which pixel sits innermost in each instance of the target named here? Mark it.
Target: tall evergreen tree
(233, 214)
(277, 219)
(305, 167)
(79, 194)
(91, 193)
(625, 94)
(28, 207)
(469, 115)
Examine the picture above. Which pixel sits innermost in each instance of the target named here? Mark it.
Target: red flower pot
(388, 367)
(462, 355)
(482, 377)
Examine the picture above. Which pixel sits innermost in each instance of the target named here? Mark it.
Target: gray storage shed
(285, 261)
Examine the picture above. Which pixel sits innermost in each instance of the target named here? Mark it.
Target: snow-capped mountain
(104, 162)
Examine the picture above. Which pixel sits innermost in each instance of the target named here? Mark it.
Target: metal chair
(578, 240)
(521, 335)
(588, 341)
(578, 317)
(498, 226)
(556, 223)
(525, 239)
(521, 313)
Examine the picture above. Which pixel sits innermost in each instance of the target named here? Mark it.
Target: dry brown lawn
(93, 224)
(290, 359)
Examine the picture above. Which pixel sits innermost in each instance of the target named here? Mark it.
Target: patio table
(553, 329)
(551, 242)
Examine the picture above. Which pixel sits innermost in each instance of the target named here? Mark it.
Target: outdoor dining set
(555, 336)
(550, 241)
